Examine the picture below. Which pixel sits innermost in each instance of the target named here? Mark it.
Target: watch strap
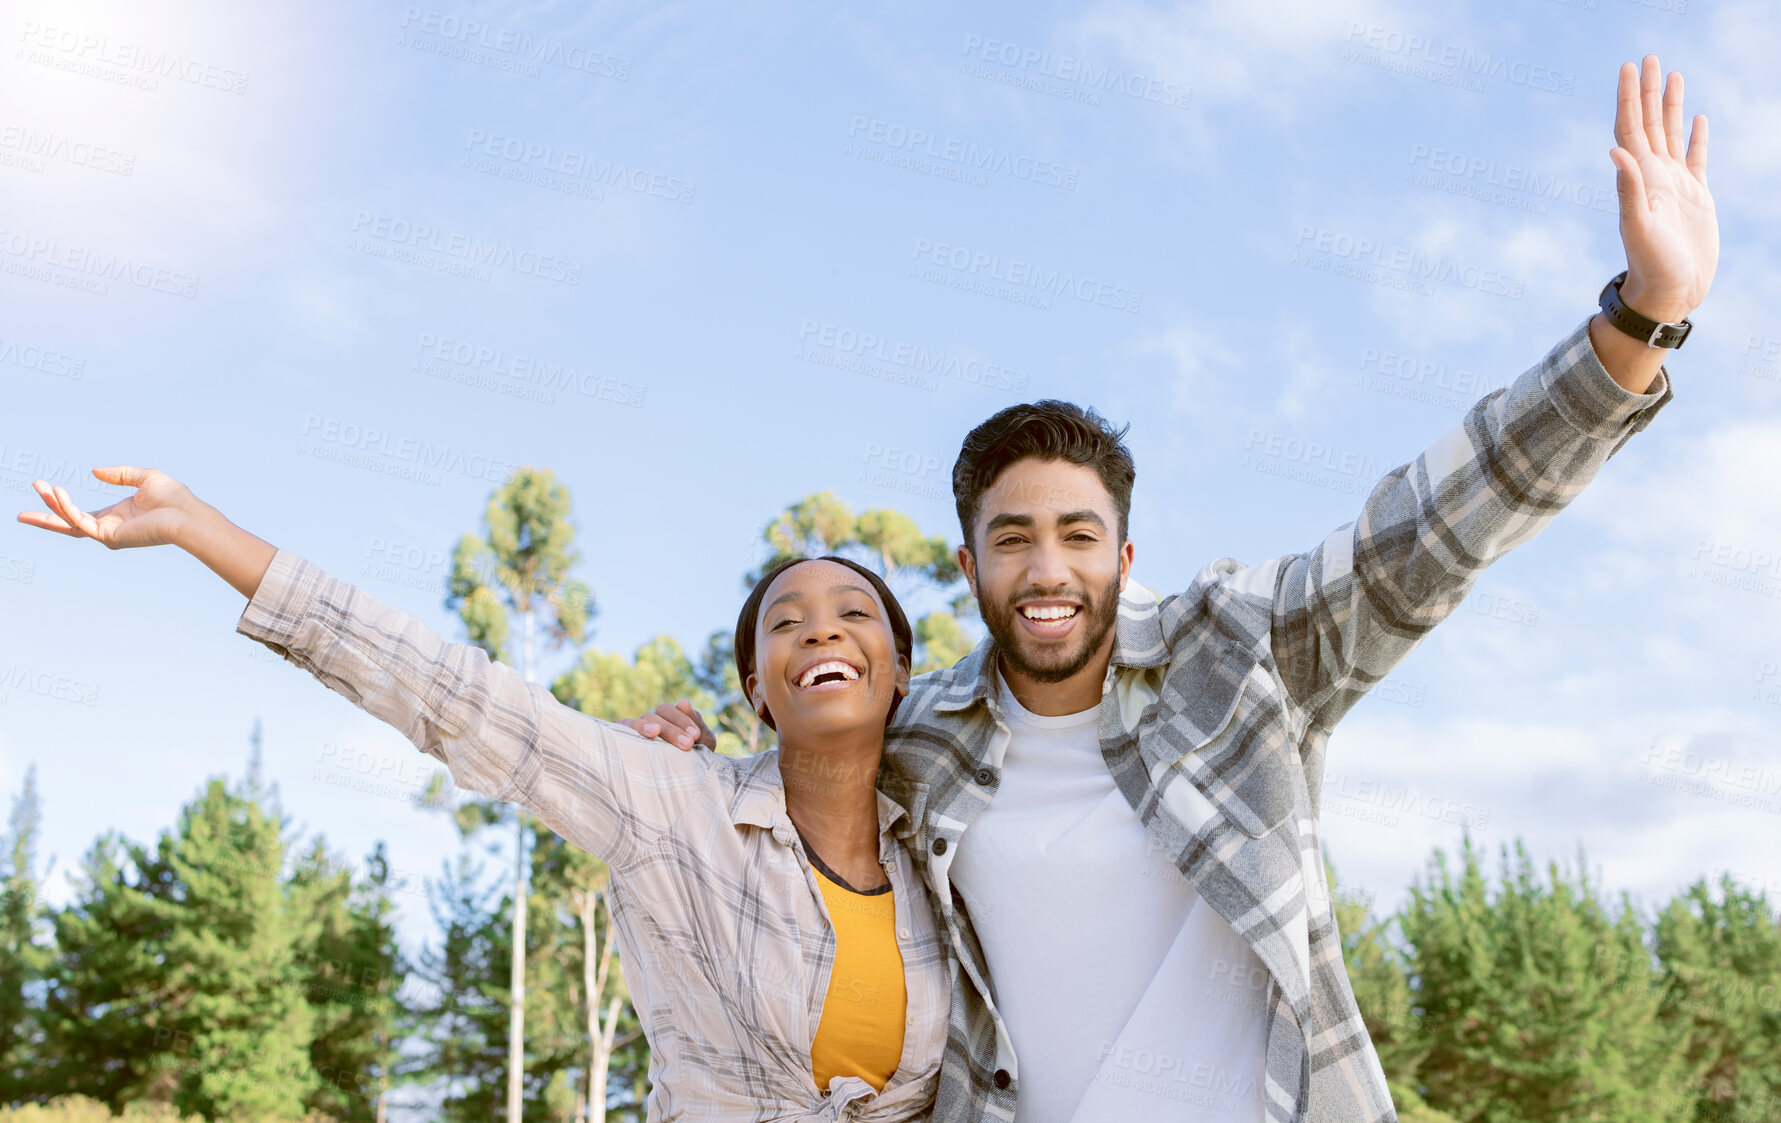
(1652, 333)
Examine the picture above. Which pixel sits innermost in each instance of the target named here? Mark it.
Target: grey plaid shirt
(725, 937)
(1215, 714)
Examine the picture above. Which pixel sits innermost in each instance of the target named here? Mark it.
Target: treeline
(233, 970)
(1534, 999)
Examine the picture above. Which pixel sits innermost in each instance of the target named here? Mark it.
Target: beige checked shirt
(724, 935)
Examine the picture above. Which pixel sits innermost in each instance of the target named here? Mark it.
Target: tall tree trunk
(595, 970)
(516, 1015)
(516, 1008)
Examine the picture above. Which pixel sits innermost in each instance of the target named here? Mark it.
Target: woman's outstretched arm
(500, 735)
(162, 512)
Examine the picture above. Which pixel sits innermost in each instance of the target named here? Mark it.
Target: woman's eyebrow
(833, 589)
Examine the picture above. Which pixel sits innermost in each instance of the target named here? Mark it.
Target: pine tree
(1539, 1004)
(1722, 963)
(23, 954)
(458, 1014)
(353, 972)
(174, 978)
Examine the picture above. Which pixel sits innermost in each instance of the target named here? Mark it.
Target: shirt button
(985, 776)
(903, 934)
(1001, 1078)
(939, 846)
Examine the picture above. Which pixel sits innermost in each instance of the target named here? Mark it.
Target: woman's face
(826, 661)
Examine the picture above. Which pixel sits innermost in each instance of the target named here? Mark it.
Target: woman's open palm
(151, 517)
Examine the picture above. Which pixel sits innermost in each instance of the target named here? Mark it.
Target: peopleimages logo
(976, 265)
(1409, 263)
(384, 232)
(93, 267)
(1462, 59)
(131, 64)
(965, 154)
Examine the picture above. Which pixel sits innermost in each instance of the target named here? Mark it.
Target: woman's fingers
(52, 520)
(122, 474)
(74, 516)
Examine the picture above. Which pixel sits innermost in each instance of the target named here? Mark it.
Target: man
(1116, 799)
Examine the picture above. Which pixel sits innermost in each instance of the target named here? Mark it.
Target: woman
(780, 953)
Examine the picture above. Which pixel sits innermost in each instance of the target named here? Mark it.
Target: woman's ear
(903, 675)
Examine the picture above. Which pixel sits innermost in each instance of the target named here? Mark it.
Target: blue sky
(740, 255)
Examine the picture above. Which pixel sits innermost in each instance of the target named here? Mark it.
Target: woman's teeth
(832, 667)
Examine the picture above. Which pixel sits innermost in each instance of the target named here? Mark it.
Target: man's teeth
(1049, 612)
(833, 666)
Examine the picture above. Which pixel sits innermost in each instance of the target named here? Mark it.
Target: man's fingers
(680, 729)
(1673, 115)
(1628, 124)
(1651, 103)
(686, 707)
(700, 732)
(1697, 149)
(1629, 185)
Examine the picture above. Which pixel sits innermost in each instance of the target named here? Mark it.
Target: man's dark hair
(751, 614)
(1046, 430)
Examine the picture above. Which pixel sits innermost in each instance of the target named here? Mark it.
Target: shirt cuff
(1586, 395)
(282, 606)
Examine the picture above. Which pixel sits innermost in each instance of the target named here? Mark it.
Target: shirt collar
(760, 799)
(1137, 642)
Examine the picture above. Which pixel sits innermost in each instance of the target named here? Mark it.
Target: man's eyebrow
(1007, 519)
(1085, 515)
(795, 595)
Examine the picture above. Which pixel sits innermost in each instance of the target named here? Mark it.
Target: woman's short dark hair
(751, 614)
(1043, 430)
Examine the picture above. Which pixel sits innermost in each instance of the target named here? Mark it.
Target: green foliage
(1539, 1003)
(1379, 973)
(942, 642)
(84, 1109)
(176, 979)
(520, 565)
(1722, 969)
(24, 955)
(605, 685)
(353, 971)
(458, 1016)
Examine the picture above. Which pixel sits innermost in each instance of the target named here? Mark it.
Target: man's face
(1047, 567)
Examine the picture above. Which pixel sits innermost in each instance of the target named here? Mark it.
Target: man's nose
(1047, 567)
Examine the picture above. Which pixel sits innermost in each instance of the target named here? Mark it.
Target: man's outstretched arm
(1352, 608)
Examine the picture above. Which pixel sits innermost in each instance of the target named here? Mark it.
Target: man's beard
(1098, 614)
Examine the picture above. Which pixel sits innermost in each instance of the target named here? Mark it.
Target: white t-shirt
(1127, 997)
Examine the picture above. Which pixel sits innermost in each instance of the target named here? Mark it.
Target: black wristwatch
(1652, 333)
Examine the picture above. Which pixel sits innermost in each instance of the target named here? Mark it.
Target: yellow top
(861, 1030)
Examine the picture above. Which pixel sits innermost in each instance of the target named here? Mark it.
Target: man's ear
(1125, 563)
(968, 566)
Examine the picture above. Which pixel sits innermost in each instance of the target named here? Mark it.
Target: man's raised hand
(1667, 220)
(679, 724)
